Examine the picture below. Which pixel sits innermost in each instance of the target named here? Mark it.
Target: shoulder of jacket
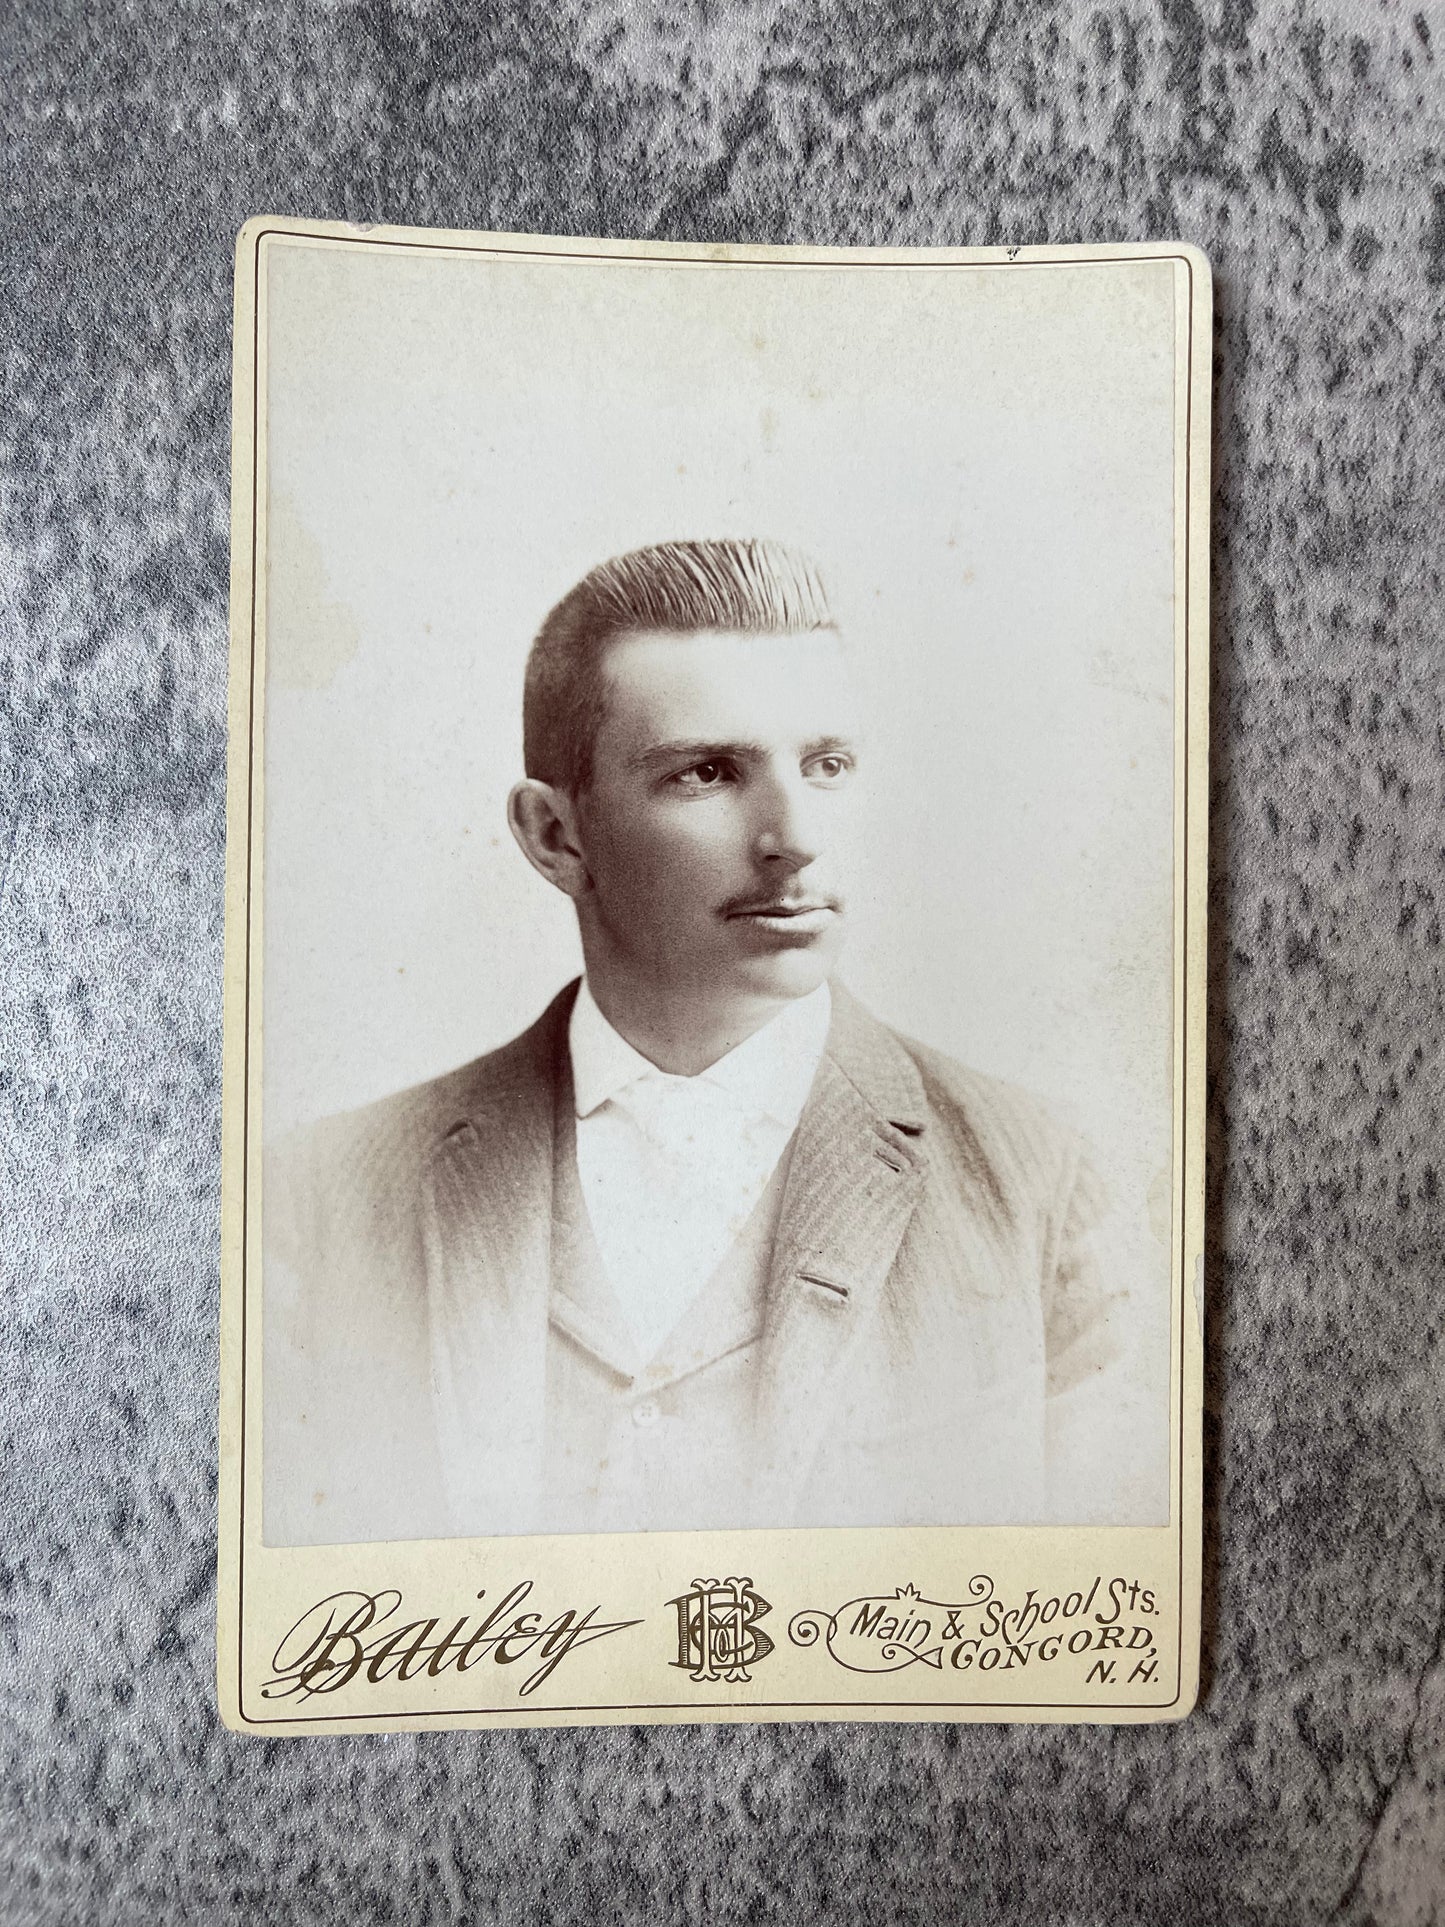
(1014, 1129)
(382, 1144)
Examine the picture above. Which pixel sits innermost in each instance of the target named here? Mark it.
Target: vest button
(646, 1412)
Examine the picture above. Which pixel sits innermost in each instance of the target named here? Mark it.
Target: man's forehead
(727, 672)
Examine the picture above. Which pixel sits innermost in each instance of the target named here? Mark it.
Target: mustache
(780, 903)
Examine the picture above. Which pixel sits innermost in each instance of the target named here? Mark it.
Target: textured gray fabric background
(1302, 145)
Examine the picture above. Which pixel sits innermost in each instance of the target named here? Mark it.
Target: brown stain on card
(310, 635)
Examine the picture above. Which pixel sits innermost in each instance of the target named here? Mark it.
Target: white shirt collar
(769, 1074)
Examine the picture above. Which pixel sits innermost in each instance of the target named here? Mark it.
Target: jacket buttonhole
(836, 1293)
(883, 1158)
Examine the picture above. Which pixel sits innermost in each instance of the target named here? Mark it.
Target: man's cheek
(682, 839)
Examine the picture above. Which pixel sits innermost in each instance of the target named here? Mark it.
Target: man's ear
(544, 822)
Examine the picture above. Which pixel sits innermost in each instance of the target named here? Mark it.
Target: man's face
(717, 824)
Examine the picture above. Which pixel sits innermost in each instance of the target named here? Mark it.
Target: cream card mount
(714, 1057)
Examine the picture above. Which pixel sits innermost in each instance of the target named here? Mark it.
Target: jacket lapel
(486, 1217)
(859, 1168)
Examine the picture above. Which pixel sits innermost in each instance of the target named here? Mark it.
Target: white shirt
(672, 1167)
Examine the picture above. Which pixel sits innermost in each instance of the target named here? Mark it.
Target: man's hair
(761, 588)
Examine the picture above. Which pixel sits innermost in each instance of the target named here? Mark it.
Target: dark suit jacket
(933, 1300)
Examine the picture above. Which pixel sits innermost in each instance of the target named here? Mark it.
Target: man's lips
(792, 922)
(783, 907)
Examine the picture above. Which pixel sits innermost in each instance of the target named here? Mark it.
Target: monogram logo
(717, 1630)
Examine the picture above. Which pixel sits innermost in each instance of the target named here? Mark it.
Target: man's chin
(790, 974)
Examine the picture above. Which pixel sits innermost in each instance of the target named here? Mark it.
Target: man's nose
(788, 834)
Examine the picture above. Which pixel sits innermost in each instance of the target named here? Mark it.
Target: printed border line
(745, 1707)
(666, 1706)
(1184, 1131)
(261, 235)
(294, 228)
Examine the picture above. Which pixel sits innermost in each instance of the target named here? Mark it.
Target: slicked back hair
(756, 587)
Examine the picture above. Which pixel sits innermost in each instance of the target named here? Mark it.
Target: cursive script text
(358, 1636)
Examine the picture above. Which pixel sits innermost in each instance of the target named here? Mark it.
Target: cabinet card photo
(712, 1223)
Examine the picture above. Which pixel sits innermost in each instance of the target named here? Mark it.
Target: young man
(708, 1245)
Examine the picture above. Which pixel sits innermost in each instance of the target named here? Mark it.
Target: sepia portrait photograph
(714, 1015)
(718, 900)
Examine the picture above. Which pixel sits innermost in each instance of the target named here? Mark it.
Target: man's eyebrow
(704, 749)
(693, 750)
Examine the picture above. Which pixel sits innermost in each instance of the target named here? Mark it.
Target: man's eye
(702, 776)
(829, 769)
